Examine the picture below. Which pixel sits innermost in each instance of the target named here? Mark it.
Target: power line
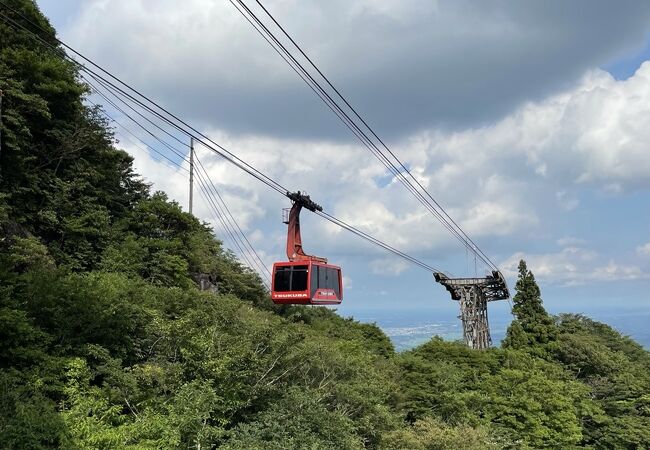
(368, 143)
(245, 252)
(376, 241)
(146, 147)
(230, 223)
(235, 238)
(159, 112)
(374, 134)
(241, 236)
(334, 107)
(324, 215)
(441, 215)
(230, 216)
(209, 196)
(180, 125)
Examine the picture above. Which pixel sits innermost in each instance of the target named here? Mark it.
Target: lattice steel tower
(473, 295)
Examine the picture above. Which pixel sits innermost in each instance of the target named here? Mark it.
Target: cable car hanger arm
(295, 251)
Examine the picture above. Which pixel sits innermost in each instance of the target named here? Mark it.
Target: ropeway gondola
(304, 279)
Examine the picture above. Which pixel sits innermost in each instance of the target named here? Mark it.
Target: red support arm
(294, 241)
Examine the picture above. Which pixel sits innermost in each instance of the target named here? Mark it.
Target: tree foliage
(106, 341)
(533, 325)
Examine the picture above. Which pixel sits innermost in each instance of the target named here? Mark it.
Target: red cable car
(304, 279)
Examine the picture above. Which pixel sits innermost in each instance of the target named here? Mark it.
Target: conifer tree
(533, 325)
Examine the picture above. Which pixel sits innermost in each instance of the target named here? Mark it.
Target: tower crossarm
(493, 286)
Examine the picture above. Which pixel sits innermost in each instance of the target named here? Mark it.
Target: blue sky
(624, 66)
(527, 121)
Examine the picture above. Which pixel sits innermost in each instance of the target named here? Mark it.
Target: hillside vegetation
(106, 341)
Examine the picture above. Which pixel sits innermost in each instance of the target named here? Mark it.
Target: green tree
(106, 342)
(533, 325)
(616, 371)
(432, 434)
(298, 420)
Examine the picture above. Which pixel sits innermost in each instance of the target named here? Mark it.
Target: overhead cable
(246, 250)
(436, 209)
(164, 115)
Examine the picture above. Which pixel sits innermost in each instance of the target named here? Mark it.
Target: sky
(527, 120)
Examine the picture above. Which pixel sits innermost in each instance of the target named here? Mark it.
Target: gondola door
(326, 284)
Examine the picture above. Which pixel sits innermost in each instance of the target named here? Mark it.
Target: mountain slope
(106, 341)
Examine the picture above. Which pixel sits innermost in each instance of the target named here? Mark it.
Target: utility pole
(191, 173)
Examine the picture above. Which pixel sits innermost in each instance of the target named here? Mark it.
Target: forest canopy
(106, 340)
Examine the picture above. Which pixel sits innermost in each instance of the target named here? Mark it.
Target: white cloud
(414, 63)
(613, 189)
(345, 185)
(386, 266)
(566, 201)
(164, 176)
(347, 282)
(613, 272)
(643, 250)
(491, 218)
(573, 266)
(504, 180)
(593, 134)
(489, 177)
(570, 241)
